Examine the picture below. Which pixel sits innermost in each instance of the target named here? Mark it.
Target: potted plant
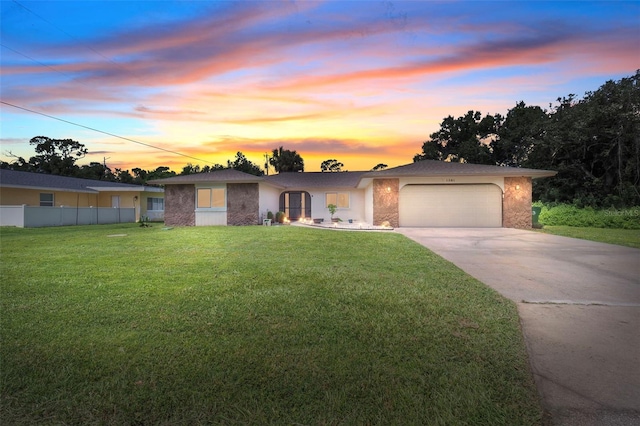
(332, 209)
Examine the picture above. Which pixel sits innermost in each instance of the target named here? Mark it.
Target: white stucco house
(422, 194)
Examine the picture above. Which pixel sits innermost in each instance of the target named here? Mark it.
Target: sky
(363, 82)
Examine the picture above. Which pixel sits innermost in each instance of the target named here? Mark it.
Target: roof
(225, 175)
(304, 180)
(316, 179)
(29, 180)
(281, 180)
(430, 168)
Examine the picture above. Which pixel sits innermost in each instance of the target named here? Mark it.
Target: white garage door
(451, 205)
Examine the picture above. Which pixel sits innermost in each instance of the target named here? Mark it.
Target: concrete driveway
(579, 304)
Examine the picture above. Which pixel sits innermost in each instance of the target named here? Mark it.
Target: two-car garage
(450, 205)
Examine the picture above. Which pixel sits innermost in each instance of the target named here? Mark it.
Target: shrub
(570, 215)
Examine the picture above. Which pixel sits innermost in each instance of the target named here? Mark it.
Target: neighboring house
(426, 193)
(38, 199)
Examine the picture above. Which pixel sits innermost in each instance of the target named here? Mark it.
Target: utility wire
(34, 60)
(64, 32)
(103, 132)
(72, 79)
(83, 44)
(60, 72)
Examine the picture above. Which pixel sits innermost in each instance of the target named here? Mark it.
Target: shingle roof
(316, 179)
(19, 179)
(426, 168)
(225, 175)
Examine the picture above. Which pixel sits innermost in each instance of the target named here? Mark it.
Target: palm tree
(284, 160)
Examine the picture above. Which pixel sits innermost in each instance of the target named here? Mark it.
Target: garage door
(451, 205)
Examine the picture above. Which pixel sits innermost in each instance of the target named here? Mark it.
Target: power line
(64, 32)
(34, 60)
(103, 132)
(82, 43)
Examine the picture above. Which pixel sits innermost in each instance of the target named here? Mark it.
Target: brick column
(385, 201)
(516, 203)
(242, 204)
(179, 205)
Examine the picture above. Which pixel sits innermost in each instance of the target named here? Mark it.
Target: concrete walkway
(579, 304)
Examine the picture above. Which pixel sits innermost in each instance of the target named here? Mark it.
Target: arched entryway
(295, 204)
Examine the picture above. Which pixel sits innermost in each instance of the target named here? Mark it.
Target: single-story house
(37, 199)
(422, 194)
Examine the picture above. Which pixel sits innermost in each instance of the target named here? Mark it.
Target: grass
(251, 325)
(622, 237)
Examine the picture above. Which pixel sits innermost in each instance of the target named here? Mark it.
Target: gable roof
(430, 168)
(316, 179)
(224, 175)
(29, 180)
(302, 180)
(281, 180)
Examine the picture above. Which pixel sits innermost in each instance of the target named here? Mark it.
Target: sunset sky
(364, 82)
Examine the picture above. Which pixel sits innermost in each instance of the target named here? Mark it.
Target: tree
(95, 171)
(379, 166)
(53, 156)
(123, 176)
(594, 144)
(190, 169)
(521, 132)
(284, 160)
(332, 165)
(242, 164)
(161, 172)
(462, 139)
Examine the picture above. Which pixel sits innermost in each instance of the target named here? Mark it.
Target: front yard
(117, 324)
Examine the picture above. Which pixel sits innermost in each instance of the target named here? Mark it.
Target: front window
(155, 203)
(46, 200)
(340, 199)
(210, 198)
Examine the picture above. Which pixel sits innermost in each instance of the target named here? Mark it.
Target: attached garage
(469, 205)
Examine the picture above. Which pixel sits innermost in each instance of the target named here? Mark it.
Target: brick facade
(243, 204)
(516, 203)
(179, 205)
(386, 201)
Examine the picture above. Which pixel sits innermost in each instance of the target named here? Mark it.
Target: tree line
(593, 143)
(60, 157)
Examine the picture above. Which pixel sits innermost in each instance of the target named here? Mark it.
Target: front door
(295, 204)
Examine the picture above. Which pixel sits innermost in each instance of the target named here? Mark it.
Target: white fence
(35, 217)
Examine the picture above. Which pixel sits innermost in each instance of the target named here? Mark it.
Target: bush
(570, 215)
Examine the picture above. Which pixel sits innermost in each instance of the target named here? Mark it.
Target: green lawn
(622, 237)
(251, 325)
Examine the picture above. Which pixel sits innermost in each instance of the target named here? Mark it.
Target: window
(340, 199)
(210, 198)
(155, 203)
(46, 200)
